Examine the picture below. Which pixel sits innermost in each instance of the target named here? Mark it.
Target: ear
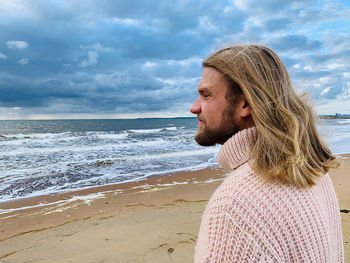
(244, 109)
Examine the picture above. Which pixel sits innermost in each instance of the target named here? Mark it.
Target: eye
(205, 94)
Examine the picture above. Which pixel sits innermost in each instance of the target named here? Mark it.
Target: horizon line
(130, 118)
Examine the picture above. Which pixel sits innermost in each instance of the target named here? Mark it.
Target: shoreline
(152, 220)
(128, 187)
(160, 181)
(58, 203)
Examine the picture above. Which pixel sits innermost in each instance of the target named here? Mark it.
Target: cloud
(148, 65)
(277, 24)
(15, 8)
(97, 47)
(91, 61)
(294, 43)
(23, 61)
(270, 6)
(325, 91)
(110, 57)
(17, 44)
(3, 56)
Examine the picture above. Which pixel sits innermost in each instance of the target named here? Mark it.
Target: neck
(247, 123)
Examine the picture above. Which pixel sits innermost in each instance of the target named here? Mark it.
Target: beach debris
(163, 245)
(170, 250)
(344, 211)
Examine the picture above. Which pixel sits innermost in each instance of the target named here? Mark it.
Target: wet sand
(154, 220)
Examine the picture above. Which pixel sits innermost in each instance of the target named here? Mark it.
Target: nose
(196, 107)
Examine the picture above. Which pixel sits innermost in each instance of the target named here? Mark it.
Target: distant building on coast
(335, 116)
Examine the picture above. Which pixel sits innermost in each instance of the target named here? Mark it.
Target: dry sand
(155, 220)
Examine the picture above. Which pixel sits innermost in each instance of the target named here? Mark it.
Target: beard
(211, 136)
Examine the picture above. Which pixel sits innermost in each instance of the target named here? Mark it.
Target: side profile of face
(217, 120)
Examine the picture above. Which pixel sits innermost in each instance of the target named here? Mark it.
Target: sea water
(54, 156)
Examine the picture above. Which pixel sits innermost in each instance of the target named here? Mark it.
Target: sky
(131, 59)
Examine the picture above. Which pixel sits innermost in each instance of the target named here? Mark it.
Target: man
(277, 203)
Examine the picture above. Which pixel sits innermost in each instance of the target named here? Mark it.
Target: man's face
(217, 122)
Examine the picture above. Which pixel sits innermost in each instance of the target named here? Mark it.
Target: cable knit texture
(249, 220)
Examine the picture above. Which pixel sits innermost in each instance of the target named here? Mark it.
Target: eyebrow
(203, 89)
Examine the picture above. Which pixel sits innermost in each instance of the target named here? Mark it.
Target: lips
(200, 121)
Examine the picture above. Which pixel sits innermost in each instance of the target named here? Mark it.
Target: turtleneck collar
(234, 151)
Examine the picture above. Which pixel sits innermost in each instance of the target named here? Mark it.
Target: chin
(211, 137)
(203, 140)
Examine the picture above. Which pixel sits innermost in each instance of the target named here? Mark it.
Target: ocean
(40, 157)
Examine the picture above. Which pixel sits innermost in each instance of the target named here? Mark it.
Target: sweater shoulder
(235, 186)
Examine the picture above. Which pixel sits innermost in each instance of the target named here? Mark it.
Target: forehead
(212, 80)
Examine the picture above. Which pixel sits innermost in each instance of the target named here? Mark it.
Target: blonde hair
(288, 147)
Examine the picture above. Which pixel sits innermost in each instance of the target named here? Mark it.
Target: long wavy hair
(288, 147)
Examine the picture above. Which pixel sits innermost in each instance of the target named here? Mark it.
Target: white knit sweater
(248, 220)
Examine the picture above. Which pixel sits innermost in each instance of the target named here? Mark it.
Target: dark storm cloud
(294, 43)
(139, 56)
(269, 7)
(277, 24)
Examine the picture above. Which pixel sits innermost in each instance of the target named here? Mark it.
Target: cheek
(212, 119)
(215, 113)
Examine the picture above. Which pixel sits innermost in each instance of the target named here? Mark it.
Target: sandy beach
(154, 220)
